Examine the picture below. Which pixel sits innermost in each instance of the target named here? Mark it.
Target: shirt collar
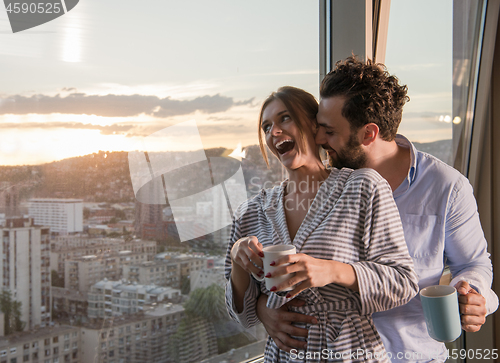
(410, 178)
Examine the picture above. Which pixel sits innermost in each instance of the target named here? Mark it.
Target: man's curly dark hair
(372, 95)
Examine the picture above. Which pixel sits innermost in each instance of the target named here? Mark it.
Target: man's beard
(351, 156)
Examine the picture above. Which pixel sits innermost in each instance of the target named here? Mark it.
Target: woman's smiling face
(283, 136)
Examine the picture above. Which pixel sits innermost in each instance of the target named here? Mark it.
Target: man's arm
(279, 324)
(468, 259)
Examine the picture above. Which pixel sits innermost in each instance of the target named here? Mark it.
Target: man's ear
(369, 133)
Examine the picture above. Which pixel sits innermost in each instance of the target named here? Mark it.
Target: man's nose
(320, 138)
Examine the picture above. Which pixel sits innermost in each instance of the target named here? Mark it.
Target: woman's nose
(275, 130)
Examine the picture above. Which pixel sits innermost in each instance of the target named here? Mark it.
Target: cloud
(105, 130)
(133, 129)
(115, 105)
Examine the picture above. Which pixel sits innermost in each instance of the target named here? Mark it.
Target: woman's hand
(312, 272)
(247, 253)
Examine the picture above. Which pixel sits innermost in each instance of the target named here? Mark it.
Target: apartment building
(67, 303)
(25, 268)
(83, 272)
(74, 247)
(116, 298)
(188, 262)
(161, 273)
(135, 338)
(63, 216)
(60, 344)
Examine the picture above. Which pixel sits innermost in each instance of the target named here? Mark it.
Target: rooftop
(20, 338)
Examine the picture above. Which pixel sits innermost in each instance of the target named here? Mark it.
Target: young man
(359, 113)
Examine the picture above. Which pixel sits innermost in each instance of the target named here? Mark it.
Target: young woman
(351, 256)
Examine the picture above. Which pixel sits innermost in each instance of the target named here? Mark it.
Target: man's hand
(472, 307)
(278, 323)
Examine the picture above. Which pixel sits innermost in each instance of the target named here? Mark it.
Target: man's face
(336, 137)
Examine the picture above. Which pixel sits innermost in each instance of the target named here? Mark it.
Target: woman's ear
(370, 133)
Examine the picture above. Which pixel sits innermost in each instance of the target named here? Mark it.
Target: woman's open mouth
(284, 146)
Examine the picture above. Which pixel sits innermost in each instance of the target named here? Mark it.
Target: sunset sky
(108, 74)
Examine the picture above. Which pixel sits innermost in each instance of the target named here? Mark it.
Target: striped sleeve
(386, 277)
(248, 317)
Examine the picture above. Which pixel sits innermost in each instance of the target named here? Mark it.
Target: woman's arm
(242, 291)
(386, 277)
(246, 255)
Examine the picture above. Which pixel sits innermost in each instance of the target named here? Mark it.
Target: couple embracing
(370, 230)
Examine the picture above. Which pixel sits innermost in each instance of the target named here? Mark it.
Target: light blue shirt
(441, 226)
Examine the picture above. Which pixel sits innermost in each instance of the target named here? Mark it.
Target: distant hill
(440, 149)
(105, 177)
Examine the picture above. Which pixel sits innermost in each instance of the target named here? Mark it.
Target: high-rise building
(25, 269)
(9, 199)
(149, 221)
(63, 216)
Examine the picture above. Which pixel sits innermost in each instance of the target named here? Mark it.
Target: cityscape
(90, 274)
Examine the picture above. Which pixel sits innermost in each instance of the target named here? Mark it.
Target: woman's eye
(329, 133)
(266, 128)
(286, 117)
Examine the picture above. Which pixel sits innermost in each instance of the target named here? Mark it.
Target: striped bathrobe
(353, 219)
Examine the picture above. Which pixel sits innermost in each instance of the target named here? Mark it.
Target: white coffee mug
(273, 253)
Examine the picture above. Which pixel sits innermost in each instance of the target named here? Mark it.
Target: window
(223, 92)
(26, 358)
(47, 341)
(427, 118)
(47, 352)
(13, 350)
(56, 350)
(55, 339)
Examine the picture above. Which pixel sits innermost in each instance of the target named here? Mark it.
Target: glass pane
(419, 53)
(438, 62)
(112, 116)
(468, 22)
